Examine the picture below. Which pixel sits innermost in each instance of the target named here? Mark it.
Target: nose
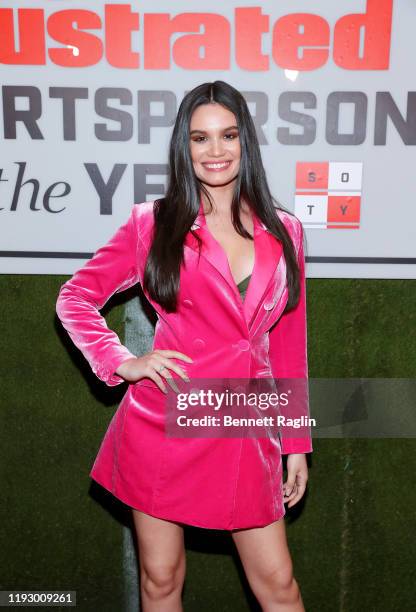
(216, 148)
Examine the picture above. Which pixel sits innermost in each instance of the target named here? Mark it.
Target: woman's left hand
(297, 477)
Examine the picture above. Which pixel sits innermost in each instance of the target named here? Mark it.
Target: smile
(217, 166)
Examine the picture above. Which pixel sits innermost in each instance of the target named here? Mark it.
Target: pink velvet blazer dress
(216, 483)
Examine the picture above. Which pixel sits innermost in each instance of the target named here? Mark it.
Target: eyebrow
(231, 127)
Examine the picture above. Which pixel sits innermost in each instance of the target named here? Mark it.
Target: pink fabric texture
(217, 483)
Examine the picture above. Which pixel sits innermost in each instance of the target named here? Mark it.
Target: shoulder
(292, 224)
(143, 211)
(142, 216)
(290, 220)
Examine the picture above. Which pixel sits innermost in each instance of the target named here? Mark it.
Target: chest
(239, 251)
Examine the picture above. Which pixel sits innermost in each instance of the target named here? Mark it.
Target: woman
(224, 269)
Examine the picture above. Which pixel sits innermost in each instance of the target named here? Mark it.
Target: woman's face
(215, 144)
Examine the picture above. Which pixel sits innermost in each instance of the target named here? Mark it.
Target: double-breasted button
(198, 344)
(243, 344)
(188, 303)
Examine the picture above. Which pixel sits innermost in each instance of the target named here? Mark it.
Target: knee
(280, 586)
(158, 581)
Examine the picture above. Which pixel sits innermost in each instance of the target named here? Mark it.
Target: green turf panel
(350, 537)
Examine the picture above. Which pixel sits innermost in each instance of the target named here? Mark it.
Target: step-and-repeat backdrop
(90, 90)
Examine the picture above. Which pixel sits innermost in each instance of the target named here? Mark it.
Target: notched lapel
(268, 251)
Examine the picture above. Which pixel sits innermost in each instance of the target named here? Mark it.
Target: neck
(222, 199)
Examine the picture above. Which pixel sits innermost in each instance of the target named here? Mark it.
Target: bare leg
(162, 563)
(268, 567)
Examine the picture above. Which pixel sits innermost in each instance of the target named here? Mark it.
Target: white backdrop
(90, 91)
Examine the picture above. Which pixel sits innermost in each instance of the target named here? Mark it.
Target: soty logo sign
(328, 194)
(299, 41)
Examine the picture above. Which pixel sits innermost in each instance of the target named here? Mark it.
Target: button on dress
(215, 483)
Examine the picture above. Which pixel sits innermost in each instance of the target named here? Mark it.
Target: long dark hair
(175, 213)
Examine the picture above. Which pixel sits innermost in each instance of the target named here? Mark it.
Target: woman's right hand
(151, 365)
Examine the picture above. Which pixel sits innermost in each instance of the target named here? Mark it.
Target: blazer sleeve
(113, 268)
(289, 357)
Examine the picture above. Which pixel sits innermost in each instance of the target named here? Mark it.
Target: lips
(217, 166)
